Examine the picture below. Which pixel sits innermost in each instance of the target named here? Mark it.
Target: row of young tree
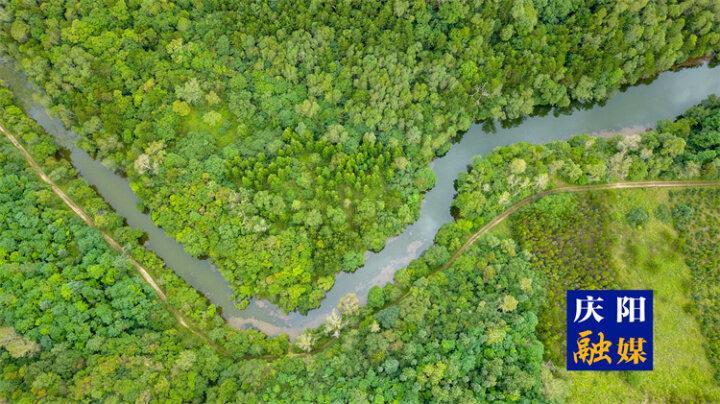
(696, 218)
(284, 139)
(571, 245)
(623, 239)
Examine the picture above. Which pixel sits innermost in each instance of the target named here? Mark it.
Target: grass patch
(646, 256)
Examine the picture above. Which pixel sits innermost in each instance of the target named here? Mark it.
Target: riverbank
(144, 273)
(624, 109)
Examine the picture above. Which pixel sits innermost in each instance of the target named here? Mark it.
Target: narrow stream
(640, 106)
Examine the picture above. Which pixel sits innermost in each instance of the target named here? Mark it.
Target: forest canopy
(449, 329)
(284, 139)
(77, 325)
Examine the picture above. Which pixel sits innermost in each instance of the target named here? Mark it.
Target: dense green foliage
(687, 148)
(461, 334)
(625, 257)
(77, 325)
(89, 330)
(180, 295)
(97, 329)
(570, 242)
(697, 219)
(283, 139)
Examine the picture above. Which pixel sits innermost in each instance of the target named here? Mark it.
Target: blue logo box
(609, 329)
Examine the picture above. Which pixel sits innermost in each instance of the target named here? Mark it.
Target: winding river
(641, 106)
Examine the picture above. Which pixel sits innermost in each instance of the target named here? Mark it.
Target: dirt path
(572, 189)
(476, 236)
(530, 199)
(78, 211)
(108, 238)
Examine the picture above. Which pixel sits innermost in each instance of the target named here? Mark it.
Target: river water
(641, 106)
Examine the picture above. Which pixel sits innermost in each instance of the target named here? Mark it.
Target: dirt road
(573, 189)
(482, 231)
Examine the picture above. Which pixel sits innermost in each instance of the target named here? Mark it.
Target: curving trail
(108, 238)
(476, 236)
(530, 199)
(572, 189)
